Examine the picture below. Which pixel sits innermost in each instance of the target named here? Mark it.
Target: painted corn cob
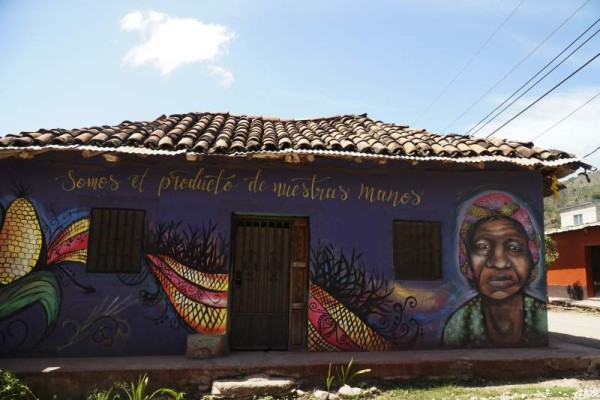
(338, 327)
(71, 244)
(21, 241)
(199, 298)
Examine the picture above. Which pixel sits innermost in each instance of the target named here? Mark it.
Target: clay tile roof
(353, 135)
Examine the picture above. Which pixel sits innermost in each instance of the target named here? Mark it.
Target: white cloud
(170, 42)
(577, 134)
(225, 74)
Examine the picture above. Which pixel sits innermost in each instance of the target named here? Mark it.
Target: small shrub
(103, 395)
(12, 388)
(551, 250)
(345, 374)
(138, 391)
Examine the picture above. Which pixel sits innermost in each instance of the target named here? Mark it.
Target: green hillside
(578, 190)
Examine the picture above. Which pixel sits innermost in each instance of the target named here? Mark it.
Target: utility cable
(530, 79)
(468, 62)
(515, 67)
(545, 94)
(592, 152)
(535, 84)
(567, 116)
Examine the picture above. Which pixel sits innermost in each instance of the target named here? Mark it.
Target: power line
(516, 66)
(567, 116)
(532, 78)
(592, 152)
(545, 94)
(535, 84)
(468, 62)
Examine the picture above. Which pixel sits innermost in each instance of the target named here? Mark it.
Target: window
(417, 250)
(116, 240)
(578, 219)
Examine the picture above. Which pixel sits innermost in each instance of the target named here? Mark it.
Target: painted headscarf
(497, 204)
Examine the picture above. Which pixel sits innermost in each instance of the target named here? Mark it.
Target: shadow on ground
(580, 340)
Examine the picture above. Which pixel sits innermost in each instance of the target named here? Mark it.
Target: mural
(500, 255)
(190, 266)
(28, 270)
(351, 309)
(50, 305)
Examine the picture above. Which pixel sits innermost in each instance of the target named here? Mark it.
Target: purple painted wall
(57, 308)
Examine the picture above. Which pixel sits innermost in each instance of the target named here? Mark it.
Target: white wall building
(580, 214)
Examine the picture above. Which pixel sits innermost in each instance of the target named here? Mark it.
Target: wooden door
(264, 310)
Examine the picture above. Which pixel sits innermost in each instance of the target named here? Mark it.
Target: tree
(551, 250)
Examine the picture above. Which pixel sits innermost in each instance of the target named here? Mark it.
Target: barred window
(116, 240)
(417, 250)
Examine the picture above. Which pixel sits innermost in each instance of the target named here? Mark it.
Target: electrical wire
(535, 84)
(468, 63)
(516, 66)
(592, 152)
(545, 94)
(532, 78)
(567, 116)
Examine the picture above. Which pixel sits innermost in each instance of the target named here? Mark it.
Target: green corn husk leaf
(39, 286)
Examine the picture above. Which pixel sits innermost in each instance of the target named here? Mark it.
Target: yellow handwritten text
(182, 180)
(394, 197)
(137, 181)
(256, 184)
(70, 182)
(311, 188)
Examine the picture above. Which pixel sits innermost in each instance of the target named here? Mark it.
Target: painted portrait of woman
(499, 255)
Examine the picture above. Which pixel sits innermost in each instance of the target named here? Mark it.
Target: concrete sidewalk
(71, 378)
(591, 303)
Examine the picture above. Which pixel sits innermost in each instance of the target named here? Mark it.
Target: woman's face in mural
(500, 258)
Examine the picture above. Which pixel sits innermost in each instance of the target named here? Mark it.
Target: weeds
(345, 374)
(138, 391)
(12, 388)
(330, 378)
(103, 395)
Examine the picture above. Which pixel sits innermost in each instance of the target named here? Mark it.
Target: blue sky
(82, 63)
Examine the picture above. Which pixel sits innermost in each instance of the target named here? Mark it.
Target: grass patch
(470, 390)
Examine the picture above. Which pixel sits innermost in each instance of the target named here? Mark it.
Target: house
(576, 272)
(579, 214)
(223, 233)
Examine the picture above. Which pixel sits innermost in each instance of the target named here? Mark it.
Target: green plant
(12, 388)
(551, 250)
(103, 395)
(330, 378)
(138, 391)
(345, 374)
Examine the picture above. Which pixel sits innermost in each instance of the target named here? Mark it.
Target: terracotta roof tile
(223, 133)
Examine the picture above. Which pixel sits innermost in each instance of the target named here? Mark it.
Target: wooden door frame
(293, 218)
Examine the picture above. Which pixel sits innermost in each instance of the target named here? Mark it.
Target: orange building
(576, 272)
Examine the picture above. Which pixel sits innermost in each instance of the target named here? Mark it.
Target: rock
(205, 346)
(323, 395)
(255, 385)
(371, 392)
(347, 392)
(203, 382)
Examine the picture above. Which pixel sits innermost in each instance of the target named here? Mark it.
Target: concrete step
(255, 385)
